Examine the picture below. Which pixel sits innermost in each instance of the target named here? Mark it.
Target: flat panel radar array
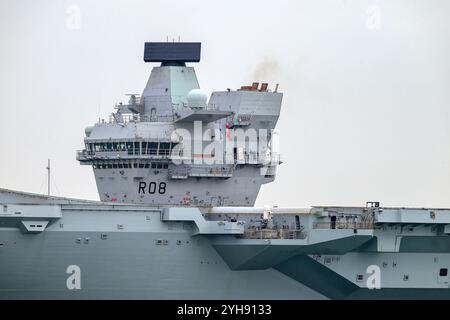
(172, 53)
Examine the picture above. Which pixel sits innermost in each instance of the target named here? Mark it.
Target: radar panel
(172, 52)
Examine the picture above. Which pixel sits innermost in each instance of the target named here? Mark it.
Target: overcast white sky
(366, 109)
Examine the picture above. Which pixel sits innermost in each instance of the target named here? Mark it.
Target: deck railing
(274, 234)
(343, 225)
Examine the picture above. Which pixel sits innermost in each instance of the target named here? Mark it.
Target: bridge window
(443, 272)
(164, 148)
(144, 147)
(102, 147)
(130, 148)
(153, 165)
(137, 148)
(152, 148)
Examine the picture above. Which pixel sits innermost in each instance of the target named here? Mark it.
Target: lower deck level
(56, 248)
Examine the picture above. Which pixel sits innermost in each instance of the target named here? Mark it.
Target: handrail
(137, 153)
(126, 118)
(274, 234)
(343, 225)
(118, 155)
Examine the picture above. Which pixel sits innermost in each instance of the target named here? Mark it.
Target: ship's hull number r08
(152, 187)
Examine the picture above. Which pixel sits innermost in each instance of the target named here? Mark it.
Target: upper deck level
(205, 153)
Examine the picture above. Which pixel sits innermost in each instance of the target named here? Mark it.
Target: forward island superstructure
(133, 154)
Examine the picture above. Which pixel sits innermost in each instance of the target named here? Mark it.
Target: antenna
(48, 178)
(175, 53)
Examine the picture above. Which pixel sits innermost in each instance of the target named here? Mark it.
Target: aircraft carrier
(178, 175)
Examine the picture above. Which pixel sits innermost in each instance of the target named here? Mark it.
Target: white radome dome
(88, 130)
(197, 98)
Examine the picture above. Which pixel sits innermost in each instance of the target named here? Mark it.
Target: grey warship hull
(178, 176)
(140, 252)
(125, 265)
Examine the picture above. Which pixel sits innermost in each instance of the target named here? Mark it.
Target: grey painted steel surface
(185, 241)
(133, 155)
(126, 264)
(137, 251)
